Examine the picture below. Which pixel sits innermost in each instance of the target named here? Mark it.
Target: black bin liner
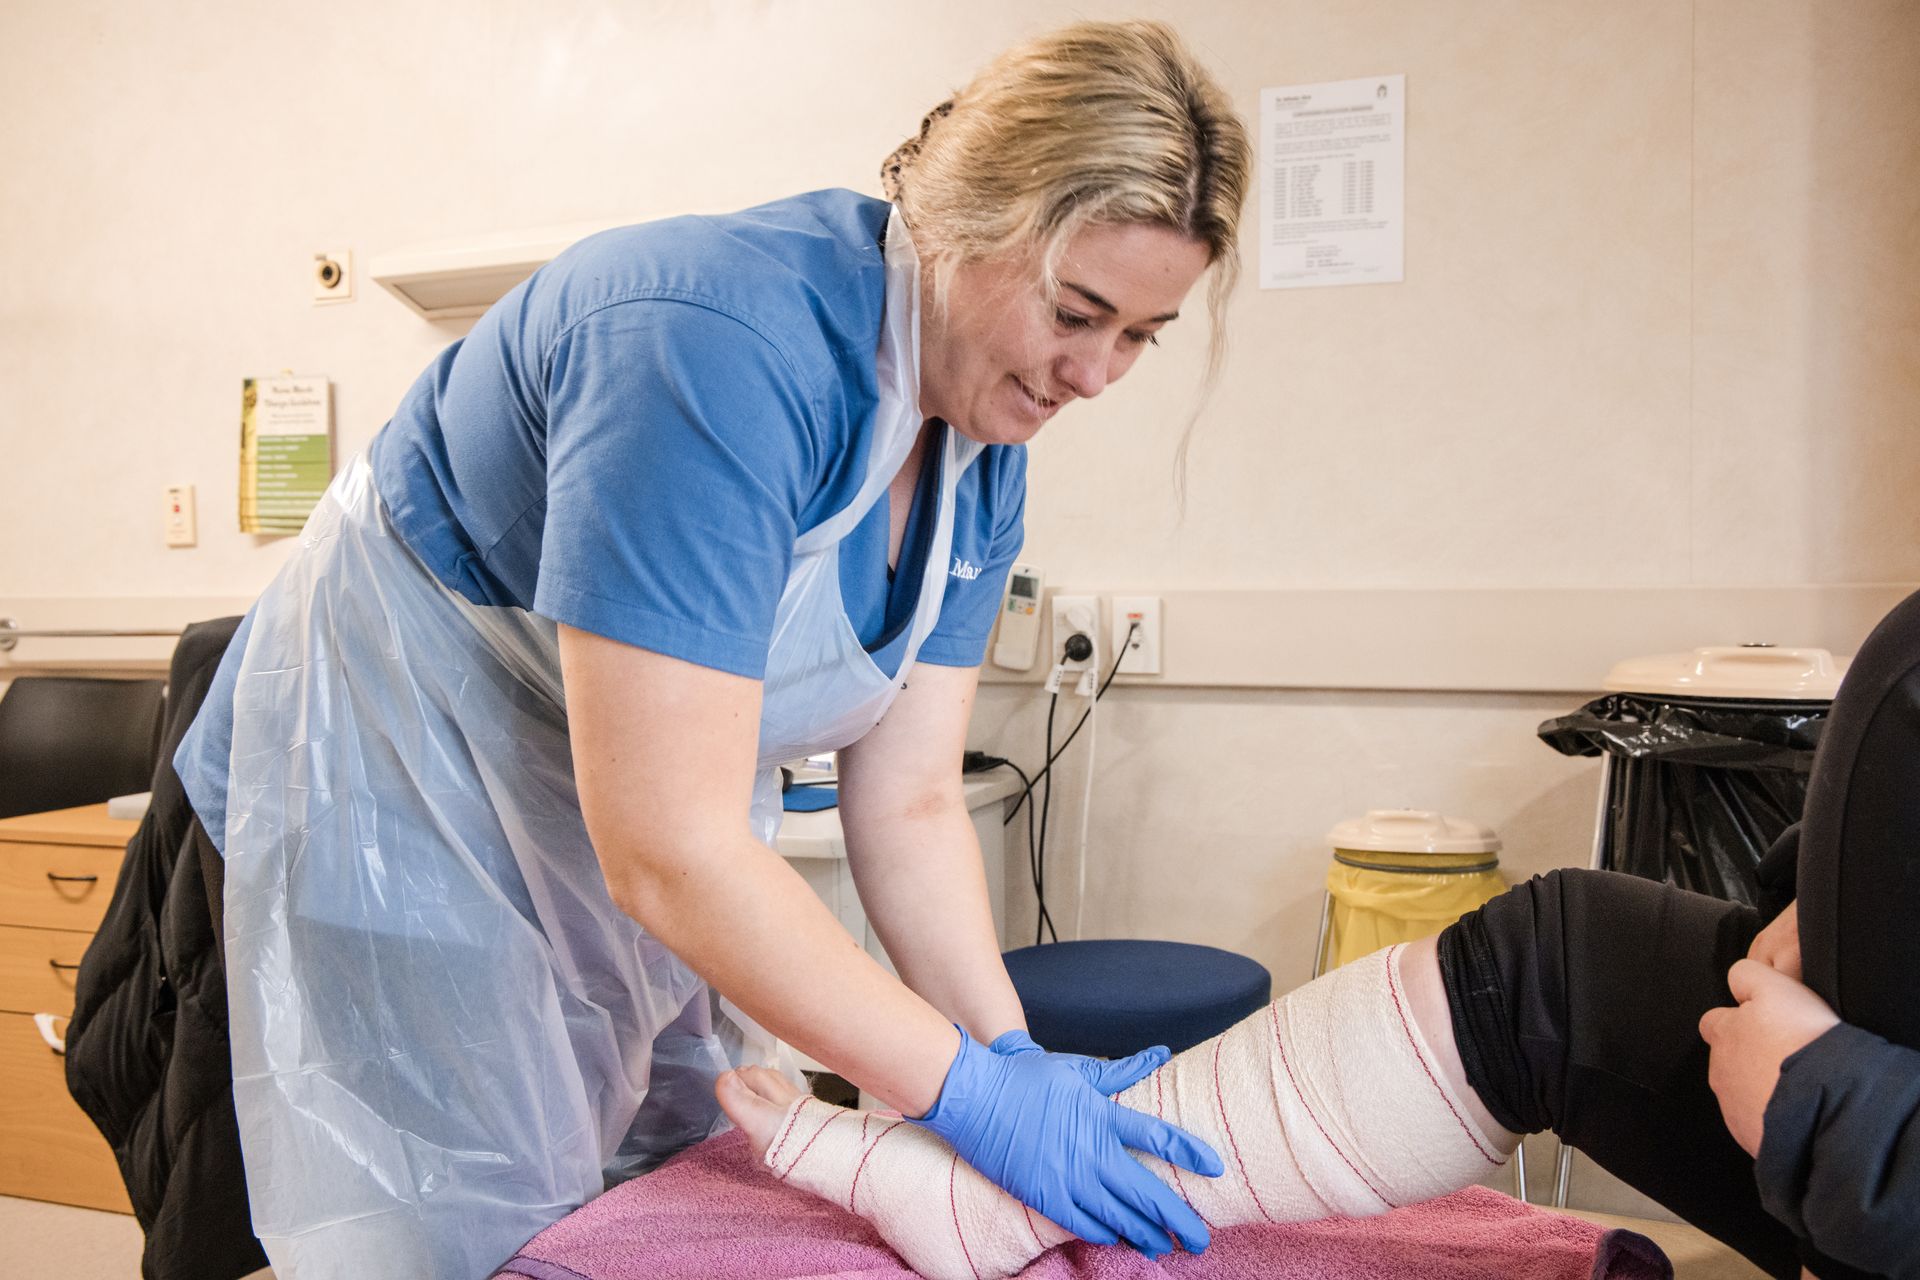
(1699, 787)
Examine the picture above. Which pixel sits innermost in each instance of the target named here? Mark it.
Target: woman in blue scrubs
(492, 763)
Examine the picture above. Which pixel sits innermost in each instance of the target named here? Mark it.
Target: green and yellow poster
(286, 451)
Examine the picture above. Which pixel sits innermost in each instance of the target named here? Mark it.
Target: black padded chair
(71, 740)
(148, 1057)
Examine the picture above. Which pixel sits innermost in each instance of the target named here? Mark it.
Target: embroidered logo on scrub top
(965, 570)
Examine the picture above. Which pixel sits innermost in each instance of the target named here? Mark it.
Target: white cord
(1086, 815)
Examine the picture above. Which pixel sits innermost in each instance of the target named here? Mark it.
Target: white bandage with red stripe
(1327, 1103)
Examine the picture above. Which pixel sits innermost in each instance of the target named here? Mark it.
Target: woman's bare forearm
(745, 921)
(924, 887)
(915, 857)
(664, 760)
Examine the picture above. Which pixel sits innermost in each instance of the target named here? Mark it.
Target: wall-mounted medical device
(1019, 640)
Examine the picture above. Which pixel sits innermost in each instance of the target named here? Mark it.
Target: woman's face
(1000, 361)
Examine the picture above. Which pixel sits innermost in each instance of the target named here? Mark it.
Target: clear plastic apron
(445, 1034)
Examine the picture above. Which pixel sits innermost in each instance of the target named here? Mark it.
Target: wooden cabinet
(56, 875)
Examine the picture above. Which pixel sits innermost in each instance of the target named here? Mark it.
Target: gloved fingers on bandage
(1038, 1125)
(1149, 1196)
(1078, 1223)
(1123, 1073)
(1110, 1077)
(1174, 1145)
(1132, 1217)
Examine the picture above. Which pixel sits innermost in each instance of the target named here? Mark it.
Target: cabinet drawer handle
(73, 879)
(45, 1022)
(62, 966)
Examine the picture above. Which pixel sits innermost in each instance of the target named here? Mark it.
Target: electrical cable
(1086, 815)
(980, 762)
(1112, 671)
(1046, 806)
(1044, 920)
(1033, 862)
(975, 761)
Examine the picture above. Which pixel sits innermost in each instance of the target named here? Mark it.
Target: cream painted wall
(1659, 329)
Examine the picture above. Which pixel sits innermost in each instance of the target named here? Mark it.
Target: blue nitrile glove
(1020, 1040)
(1041, 1126)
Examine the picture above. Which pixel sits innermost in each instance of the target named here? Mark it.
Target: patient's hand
(1778, 945)
(1776, 1018)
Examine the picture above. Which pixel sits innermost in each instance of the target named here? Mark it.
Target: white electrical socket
(1142, 656)
(1071, 614)
(177, 516)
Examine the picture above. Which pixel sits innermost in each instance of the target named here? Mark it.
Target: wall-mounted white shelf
(460, 279)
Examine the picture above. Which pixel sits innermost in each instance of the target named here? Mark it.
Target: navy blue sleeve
(1840, 1156)
(681, 447)
(986, 542)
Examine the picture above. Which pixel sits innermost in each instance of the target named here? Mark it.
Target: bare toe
(771, 1085)
(751, 1111)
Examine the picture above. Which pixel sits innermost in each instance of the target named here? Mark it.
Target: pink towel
(713, 1213)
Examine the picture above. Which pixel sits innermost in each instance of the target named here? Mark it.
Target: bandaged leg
(1330, 1102)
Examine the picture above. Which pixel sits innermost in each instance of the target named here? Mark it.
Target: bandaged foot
(1330, 1102)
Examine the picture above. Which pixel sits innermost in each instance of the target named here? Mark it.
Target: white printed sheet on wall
(1333, 183)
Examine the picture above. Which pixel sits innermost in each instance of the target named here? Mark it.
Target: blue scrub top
(631, 441)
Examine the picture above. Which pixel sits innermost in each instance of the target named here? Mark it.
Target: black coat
(147, 1055)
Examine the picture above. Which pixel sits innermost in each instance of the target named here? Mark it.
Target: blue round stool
(1112, 997)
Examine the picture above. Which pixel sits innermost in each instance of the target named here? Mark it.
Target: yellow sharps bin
(1402, 874)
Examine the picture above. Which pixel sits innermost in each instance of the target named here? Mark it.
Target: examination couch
(713, 1211)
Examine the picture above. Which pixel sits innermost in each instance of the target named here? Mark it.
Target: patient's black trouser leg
(1576, 999)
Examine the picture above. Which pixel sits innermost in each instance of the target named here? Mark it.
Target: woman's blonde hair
(1098, 123)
